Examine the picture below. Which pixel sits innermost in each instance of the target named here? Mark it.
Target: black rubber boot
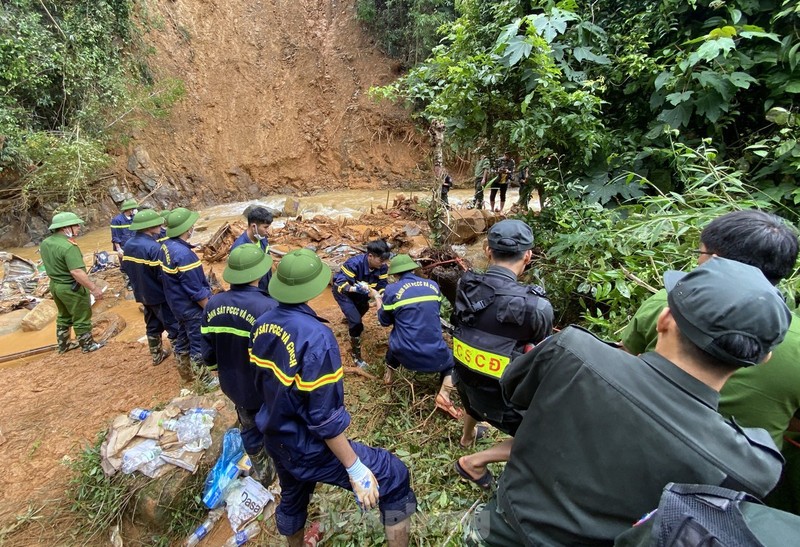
(355, 348)
(157, 351)
(261, 467)
(185, 367)
(88, 344)
(64, 343)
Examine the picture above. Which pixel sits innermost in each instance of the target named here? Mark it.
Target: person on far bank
(228, 319)
(359, 278)
(447, 184)
(303, 418)
(483, 173)
(259, 220)
(186, 288)
(505, 170)
(121, 225)
(141, 263)
(70, 285)
(411, 305)
(496, 319)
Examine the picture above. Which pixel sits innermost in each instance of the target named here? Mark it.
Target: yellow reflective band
(162, 239)
(415, 300)
(120, 225)
(127, 258)
(348, 273)
(287, 380)
(224, 330)
(484, 362)
(384, 276)
(186, 268)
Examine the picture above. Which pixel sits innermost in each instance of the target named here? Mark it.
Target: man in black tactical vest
(495, 318)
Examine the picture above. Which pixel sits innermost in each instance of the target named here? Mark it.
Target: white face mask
(68, 232)
(256, 235)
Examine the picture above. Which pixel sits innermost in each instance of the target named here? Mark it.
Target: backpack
(696, 515)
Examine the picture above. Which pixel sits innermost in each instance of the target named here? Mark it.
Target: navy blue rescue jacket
(183, 278)
(412, 306)
(357, 269)
(121, 229)
(142, 264)
(299, 375)
(227, 321)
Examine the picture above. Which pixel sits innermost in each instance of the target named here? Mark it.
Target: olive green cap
(301, 275)
(402, 263)
(723, 297)
(146, 218)
(246, 263)
(62, 220)
(128, 204)
(180, 220)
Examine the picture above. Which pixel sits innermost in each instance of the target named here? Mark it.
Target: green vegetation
(73, 74)
(641, 121)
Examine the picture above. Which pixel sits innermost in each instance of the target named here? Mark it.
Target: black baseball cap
(727, 297)
(510, 236)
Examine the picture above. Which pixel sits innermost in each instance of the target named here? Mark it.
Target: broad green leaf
(778, 115)
(676, 117)
(712, 49)
(677, 98)
(793, 87)
(723, 32)
(742, 80)
(769, 35)
(517, 49)
(662, 78)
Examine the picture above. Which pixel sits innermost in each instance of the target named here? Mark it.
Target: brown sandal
(448, 407)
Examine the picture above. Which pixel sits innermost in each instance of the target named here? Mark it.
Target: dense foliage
(70, 72)
(406, 29)
(642, 120)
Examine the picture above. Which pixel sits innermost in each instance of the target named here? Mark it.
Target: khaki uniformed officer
(69, 283)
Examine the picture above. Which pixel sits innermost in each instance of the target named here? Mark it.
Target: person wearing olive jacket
(70, 285)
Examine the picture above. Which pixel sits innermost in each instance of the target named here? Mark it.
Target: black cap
(727, 297)
(510, 236)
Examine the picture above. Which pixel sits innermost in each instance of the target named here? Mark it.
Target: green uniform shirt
(482, 165)
(766, 395)
(60, 255)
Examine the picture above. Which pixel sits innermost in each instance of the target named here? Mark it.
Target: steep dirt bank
(276, 102)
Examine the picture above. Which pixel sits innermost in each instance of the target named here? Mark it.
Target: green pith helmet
(246, 263)
(300, 276)
(180, 220)
(402, 263)
(62, 220)
(164, 214)
(146, 218)
(128, 204)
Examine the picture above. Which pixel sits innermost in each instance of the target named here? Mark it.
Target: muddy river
(338, 204)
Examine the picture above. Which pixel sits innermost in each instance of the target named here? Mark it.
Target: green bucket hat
(128, 204)
(402, 263)
(246, 263)
(180, 220)
(62, 220)
(300, 276)
(146, 218)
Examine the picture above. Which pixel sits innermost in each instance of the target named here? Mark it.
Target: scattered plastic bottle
(243, 536)
(203, 530)
(169, 425)
(138, 414)
(194, 426)
(214, 496)
(134, 458)
(199, 410)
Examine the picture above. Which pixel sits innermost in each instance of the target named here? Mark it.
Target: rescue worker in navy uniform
(303, 418)
(121, 225)
(228, 319)
(412, 305)
(186, 288)
(259, 220)
(142, 264)
(359, 278)
(495, 318)
(604, 431)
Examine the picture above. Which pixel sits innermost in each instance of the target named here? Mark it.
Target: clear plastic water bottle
(214, 496)
(193, 426)
(169, 425)
(203, 530)
(199, 410)
(243, 536)
(134, 458)
(138, 414)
